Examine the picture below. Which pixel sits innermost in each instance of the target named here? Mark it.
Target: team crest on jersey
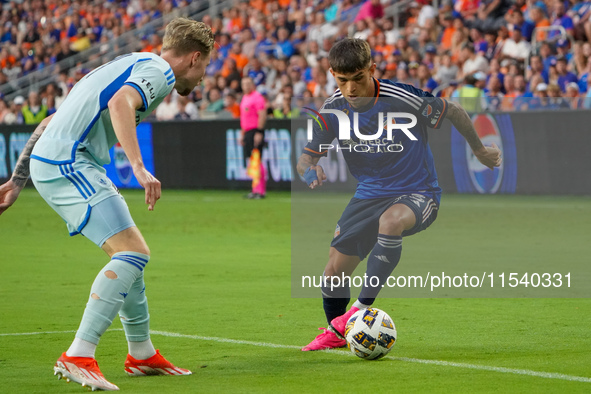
(428, 110)
(337, 231)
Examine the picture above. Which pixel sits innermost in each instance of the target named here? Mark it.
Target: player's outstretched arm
(490, 156)
(10, 190)
(122, 108)
(308, 168)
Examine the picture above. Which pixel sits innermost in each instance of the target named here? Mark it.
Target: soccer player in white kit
(65, 158)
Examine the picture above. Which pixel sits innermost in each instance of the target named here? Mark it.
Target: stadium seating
(283, 45)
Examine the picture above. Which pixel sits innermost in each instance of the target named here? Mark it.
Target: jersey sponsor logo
(435, 118)
(149, 88)
(472, 176)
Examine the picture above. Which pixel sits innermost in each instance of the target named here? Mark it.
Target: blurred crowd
(509, 55)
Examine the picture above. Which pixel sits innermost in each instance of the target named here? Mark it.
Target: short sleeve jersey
(381, 170)
(83, 119)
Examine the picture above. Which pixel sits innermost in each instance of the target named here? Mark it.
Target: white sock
(141, 350)
(359, 305)
(81, 348)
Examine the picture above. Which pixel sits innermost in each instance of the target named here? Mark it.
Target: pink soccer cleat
(326, 340)
(155, 365)
(337, 325)
(82, 370)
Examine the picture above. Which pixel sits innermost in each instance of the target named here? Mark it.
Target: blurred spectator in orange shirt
(510, 92)
(467, 8)
(447, 20)
(538, 16)
(382, 46)
(146, 45)
(239, 58)
(231, 105)
(258, 5)
(413, 9)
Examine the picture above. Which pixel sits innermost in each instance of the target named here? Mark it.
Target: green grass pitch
(218, 285)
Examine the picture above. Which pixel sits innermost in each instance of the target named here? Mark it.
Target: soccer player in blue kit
(397, 192)
(65, 158)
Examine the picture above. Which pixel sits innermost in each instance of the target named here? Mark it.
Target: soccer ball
(370, 333)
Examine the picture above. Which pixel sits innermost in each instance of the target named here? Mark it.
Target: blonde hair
(184, 35)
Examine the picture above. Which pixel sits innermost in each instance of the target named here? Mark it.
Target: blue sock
(335, 299)
(381, 262)
(108, 293)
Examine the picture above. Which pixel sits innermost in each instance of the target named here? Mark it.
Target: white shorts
(74, 190)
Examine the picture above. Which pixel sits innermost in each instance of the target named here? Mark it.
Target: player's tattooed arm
(21, 172)
(306, 161)
(461, 120)
(490, 156)
(309, 169)
(10, 190)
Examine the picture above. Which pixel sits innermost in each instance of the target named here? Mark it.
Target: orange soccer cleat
(155, 365)
(82, 370)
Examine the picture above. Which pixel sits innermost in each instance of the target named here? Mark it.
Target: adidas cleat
(155, 365)
(82, 370)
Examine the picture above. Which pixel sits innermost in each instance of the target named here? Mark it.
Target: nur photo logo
(375, 142)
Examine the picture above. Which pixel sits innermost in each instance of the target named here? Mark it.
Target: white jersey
(83, 120)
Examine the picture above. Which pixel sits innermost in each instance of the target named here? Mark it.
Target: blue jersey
(382, 167)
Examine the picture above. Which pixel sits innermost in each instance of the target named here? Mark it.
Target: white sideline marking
(225, 340)
(516, 371)
(19, 334)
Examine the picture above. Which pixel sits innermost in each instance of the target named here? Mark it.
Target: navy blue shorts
(357, 229)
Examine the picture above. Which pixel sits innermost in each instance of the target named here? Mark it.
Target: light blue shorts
(84, 197)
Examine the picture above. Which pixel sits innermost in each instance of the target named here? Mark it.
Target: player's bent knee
(391, 225)
(332, 271)
(396, 219)
(130, 240)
